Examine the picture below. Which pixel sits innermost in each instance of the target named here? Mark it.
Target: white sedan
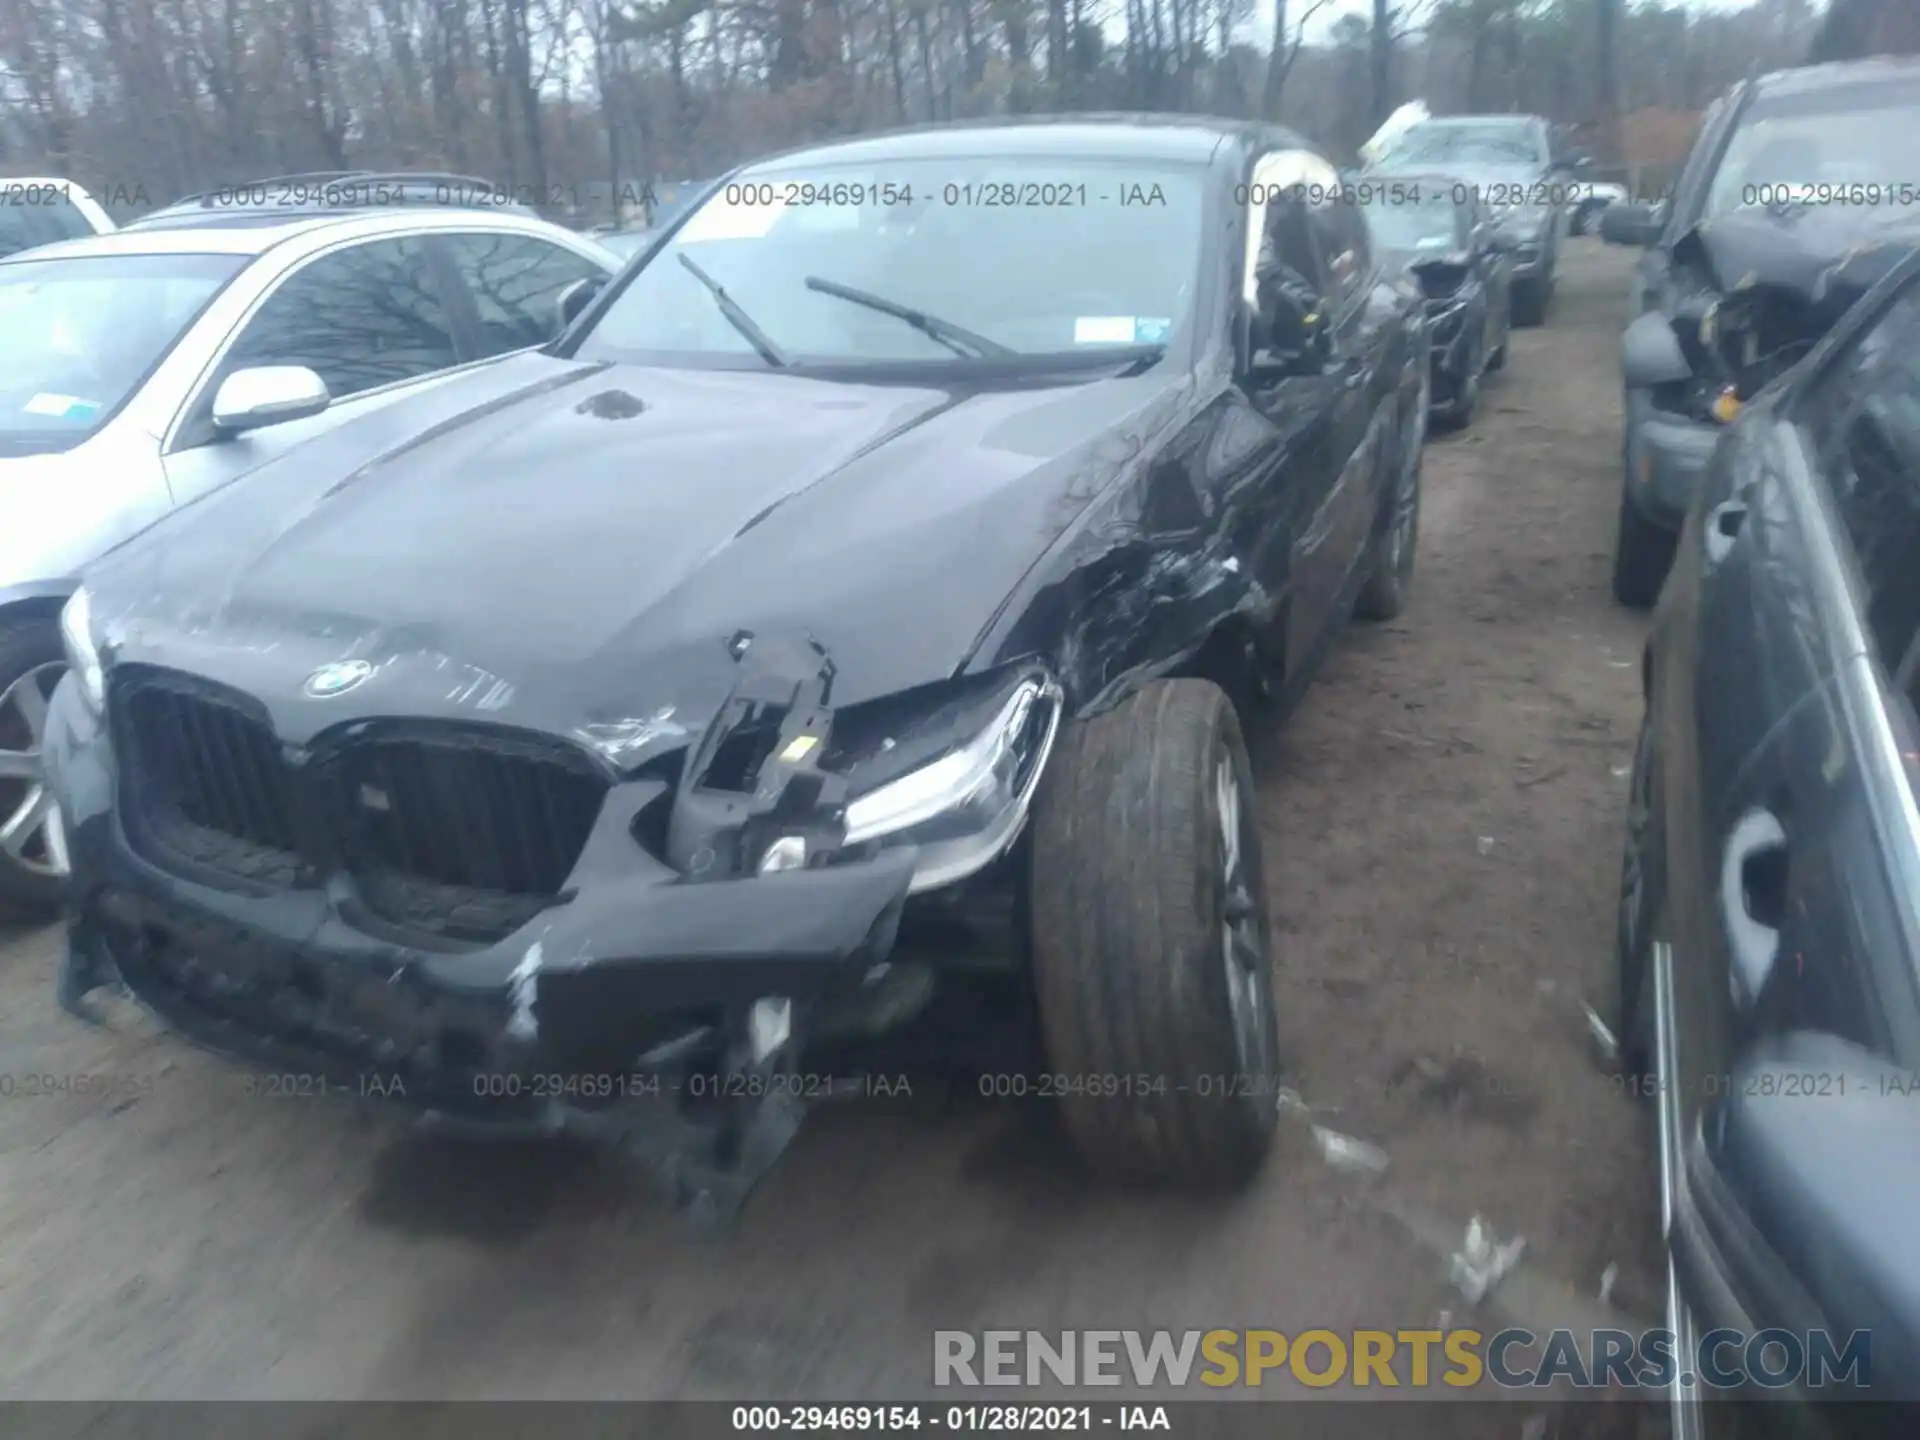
(146, 367)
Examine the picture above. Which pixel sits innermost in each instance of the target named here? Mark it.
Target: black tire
(1642, 892)
(1642, 555)
(28, 643)
(1530, 301)
(1390, 567)
(1132, 900)
(1458, 413)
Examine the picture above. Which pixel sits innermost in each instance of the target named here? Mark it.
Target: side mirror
(1650, 353)
(1806, 1119)
(265, 395)
(576, 297)
(1636, 224)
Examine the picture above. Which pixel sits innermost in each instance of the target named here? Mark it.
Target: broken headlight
(966, 806)
(83, 655)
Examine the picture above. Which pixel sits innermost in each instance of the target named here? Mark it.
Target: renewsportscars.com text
(1413, 1358)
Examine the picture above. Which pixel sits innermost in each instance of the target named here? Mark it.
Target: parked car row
(1769, 932)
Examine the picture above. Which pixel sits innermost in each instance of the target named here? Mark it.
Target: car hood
(60, 509)
(1432, 260)
(1825, 255)
(573, 546)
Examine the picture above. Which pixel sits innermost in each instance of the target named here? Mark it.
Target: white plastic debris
(1484, 844)
(1602, 1033)
(1290, 1103)
(768, 1025)
(1482, 1261)
(1343, 1152)
(1608, 1278)
(1619, 772)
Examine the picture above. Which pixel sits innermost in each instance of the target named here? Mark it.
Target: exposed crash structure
(1780, 222)
(601, 738)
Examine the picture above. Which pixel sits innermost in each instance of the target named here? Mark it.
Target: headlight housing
(965, 808)
(83, 655)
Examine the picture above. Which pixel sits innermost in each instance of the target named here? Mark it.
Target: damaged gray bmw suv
(846, 605)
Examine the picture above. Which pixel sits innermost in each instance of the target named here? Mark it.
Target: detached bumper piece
(487, 927)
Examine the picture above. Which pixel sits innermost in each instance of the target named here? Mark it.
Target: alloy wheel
(1243, 941)
(32, 834)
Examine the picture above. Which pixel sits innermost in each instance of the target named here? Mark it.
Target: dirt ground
(1443, 817)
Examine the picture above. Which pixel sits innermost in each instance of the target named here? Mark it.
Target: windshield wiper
(945, 331)
(737, 317)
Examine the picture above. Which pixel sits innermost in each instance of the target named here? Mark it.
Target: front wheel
(1152, 947)
(33, 848)
(1642, 555)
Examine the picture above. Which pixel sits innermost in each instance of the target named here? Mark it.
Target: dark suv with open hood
(1797, 196)
(847, 605)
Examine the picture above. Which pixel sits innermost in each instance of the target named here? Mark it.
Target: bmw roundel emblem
(336, 679)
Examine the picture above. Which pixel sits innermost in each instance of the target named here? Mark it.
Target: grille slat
(447, 830)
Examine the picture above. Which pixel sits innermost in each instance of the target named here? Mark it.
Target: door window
(360, 318)
(33, 215)
(516, 282)
(1865, 419)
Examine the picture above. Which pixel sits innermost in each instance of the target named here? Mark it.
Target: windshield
(1836, 157)
(82, 334)
(1492, 143)
(1029, 256)
(1431, 222)
(627, 243)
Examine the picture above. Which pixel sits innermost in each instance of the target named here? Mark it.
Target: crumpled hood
(563, 545)
(1826, 255)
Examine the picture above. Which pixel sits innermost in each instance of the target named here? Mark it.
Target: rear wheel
(1530, 301)
(1390, 571)
(33, 847)
(1459, 413)
(1152, 948)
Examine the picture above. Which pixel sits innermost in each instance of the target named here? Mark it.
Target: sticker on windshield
(63, 407)
(721, 220)
(1120, 330)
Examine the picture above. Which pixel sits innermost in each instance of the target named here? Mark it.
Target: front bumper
(633, 962)
(1666, 456)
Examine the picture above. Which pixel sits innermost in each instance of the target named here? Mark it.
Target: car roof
(222, 237)
(1506, 117)
(1838, 76)
(1193, 139)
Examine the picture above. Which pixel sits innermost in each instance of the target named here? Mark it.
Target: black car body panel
(456, 745)
(1784, 972)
